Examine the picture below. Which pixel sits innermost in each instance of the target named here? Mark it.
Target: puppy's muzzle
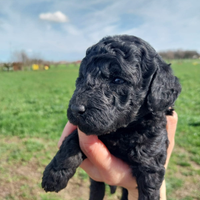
(78, 109)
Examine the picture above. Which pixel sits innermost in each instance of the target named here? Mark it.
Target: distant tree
(20, 56)
(7, 66)
(27, 61)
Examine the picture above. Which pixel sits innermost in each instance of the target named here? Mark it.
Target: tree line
(20, 60)
(179, 54)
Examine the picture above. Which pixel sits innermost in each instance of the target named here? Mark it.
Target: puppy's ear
(164, 88)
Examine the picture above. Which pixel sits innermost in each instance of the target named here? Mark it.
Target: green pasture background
(33, 108)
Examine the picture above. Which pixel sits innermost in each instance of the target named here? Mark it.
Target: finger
(69, 128)
(127, 181)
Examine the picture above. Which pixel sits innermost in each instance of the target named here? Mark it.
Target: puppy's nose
(78, 109)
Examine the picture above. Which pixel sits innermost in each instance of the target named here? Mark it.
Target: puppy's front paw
(53, 180)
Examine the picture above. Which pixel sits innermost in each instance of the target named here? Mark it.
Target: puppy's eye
(118, 81)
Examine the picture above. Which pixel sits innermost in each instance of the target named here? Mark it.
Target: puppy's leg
(124, 194)
(97, 190)
(149, 184)
(64, 164)
(112, 189)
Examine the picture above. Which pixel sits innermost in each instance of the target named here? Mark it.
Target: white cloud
(54, 17)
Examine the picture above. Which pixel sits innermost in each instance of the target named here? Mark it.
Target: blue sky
(63, 29)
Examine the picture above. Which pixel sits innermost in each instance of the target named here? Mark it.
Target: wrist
(130, 184)
(133, 194)
(163, 191)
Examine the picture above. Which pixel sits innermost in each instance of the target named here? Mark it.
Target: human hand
(102, 166)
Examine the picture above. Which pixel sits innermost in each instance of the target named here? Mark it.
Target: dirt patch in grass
(23, 182)
(186, 173)
(190, 187)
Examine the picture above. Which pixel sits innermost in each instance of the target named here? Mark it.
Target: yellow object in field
(35, 67)
(46, 67)
(195, 63)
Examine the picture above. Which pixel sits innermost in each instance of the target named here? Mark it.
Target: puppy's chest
(121, 145)
(137, 144)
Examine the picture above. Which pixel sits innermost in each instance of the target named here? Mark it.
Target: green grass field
(33, 108)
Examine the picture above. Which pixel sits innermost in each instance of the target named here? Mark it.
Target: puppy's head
(120, 80)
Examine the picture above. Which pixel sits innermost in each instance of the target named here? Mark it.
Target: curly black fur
(123, 93)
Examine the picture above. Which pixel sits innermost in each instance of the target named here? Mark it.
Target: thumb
(94, 149)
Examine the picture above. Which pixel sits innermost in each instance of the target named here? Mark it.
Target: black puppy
(123, 93)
